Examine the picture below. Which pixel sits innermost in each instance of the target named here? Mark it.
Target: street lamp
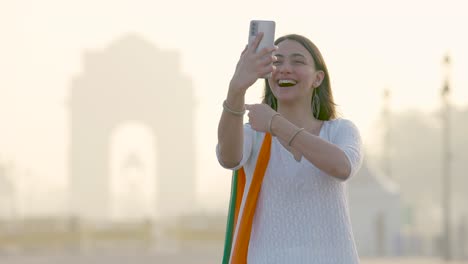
(386, 120)
(446, 158)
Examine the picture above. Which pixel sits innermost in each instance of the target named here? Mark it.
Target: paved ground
(194, 257)
(199, 254)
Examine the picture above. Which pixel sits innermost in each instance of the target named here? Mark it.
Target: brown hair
(327, 105)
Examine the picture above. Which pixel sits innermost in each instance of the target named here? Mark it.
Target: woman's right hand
(251, 66)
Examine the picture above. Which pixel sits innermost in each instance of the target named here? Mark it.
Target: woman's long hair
(327, 109)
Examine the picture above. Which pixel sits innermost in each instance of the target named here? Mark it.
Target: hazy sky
(368, 46)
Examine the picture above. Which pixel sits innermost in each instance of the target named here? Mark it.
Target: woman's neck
(300, 114)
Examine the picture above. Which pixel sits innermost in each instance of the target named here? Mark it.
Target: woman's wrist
(234, 103)
(285, 130)
(294, 135)
(270, 123)
(233, 111)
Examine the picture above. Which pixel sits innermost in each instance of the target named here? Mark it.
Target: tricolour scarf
(239, 248)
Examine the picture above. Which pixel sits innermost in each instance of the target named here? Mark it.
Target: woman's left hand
(260, 116)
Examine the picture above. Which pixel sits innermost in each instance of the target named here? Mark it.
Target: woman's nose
(284, 68)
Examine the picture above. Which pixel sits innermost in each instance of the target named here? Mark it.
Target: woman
(295, 155)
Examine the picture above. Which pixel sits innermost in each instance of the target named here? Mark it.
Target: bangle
(294, 135)
(271, 120)
(229, 110)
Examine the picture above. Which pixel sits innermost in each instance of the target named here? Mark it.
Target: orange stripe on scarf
(241, 246)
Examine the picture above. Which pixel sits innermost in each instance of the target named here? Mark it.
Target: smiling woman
(290, 162)
(322, 99)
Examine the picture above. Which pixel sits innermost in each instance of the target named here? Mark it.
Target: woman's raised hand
(252, 65)
(260, 116)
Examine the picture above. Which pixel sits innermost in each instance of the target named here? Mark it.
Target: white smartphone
(268, 29)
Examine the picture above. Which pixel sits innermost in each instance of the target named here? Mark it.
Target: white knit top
(302, 213)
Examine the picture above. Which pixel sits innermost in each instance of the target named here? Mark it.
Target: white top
(302, 213)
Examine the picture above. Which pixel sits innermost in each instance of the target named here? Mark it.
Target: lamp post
(386, 120)
(446, 160)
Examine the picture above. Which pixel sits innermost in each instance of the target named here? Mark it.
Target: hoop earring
(273, 103)
(316, 104)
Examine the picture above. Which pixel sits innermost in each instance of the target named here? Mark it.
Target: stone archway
(131, 80)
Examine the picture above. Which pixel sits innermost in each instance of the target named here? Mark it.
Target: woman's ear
(319, 75)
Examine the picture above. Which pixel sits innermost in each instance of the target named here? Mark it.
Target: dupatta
(239, 248)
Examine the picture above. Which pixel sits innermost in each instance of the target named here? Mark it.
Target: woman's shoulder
(341, 123)
(339, 127)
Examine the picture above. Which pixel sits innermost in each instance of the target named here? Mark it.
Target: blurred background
(109, 114)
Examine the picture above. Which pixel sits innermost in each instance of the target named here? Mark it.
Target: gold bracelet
(269, 123)
(229, 110)
(294, 135)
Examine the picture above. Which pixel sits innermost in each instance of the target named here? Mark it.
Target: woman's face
(295, 75)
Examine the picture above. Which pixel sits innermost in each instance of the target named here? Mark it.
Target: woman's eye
(299, 62)
(276, 62)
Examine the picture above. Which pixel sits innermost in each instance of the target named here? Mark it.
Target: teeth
(286, 83)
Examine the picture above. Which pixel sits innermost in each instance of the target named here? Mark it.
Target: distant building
(131, 80)
(375, 213)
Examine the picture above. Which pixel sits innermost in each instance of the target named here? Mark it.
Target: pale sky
(368, 46)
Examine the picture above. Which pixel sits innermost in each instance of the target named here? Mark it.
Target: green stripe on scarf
(230, 220)
(240, 249)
